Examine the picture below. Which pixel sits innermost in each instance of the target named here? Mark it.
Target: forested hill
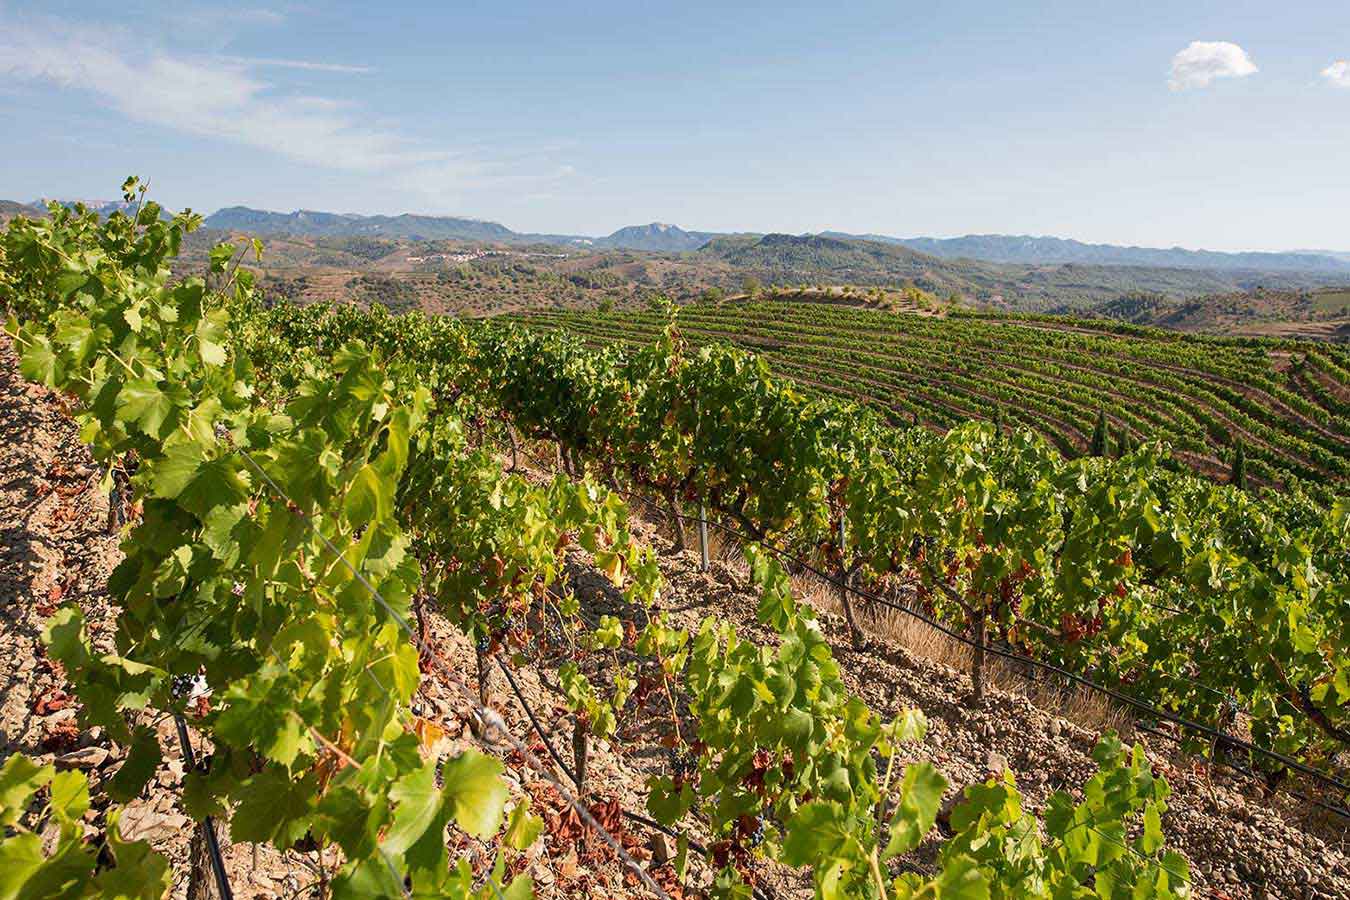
(789, 259)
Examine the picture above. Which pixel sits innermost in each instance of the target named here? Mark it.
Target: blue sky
(1205, 124)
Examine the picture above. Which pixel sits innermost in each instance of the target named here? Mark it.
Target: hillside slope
(9, 209)
(1239, 839)
(1201, 396)
(789, 259)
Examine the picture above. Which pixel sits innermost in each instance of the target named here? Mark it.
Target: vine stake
(703, 538)
(854, 632)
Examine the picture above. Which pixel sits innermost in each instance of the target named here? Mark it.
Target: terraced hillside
(1286, 403)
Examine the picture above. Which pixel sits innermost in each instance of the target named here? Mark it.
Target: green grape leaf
(272, 807)
(814, 833)
(20, 860)
(1151, 841)
(523, 828)
(920, 799)
(475, 792)
(417, 801)
(140, 766)
(20, 778)
(39, 363)
(520, 888)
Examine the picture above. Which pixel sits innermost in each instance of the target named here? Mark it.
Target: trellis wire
(1166, 715)
(764, 894)
(488, 716)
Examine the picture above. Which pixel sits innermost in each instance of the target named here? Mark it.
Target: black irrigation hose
(1166, 715)
(1341, 811)
(208, 826)
(557, 758)
(759, 893)
(1050, 667)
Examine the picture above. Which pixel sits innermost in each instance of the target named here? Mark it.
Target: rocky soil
(55, 547)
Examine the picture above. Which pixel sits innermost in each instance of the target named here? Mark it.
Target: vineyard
(1287, 404)
(299, 490)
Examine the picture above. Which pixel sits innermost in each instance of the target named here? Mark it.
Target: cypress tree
(1122, 439)
(1099, 435)
(998, 421)
(1239, 477)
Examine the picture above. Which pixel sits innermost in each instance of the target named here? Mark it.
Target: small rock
(140, 822)
(88, 758)
(662, 847)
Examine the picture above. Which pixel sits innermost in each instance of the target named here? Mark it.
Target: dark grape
(188, 687)
(757, 836)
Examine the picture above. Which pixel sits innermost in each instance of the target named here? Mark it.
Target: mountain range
(1030, 250)
(665, 238)
(656, 237)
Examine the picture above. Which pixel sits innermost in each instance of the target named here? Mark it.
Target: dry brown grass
(1082, 706)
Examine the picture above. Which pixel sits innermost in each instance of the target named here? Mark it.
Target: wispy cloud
(302, 64)
(225, 98)
(1201, 62)
(1338, 73)
(205, 96)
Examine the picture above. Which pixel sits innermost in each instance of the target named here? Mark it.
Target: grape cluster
(683, 767)
(757, 836)
(189, 687)
(484, 643)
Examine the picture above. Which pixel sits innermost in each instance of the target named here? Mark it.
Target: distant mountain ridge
(9, 209)
(325, 224)
(1334, 254)
(661, 237)
(1029, 250)
(658, 237)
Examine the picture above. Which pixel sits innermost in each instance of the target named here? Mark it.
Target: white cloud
(304, 65)
(205, 96)
(223, 97)
(1338, 73)
(1203, 61)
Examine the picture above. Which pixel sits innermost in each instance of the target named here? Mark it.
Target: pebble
(87, 758)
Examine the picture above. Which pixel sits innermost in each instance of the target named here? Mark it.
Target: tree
(751, 285)
(1099, 441)
(712, 295)
(1122, 439)
(1239, 476)
(998, 420)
